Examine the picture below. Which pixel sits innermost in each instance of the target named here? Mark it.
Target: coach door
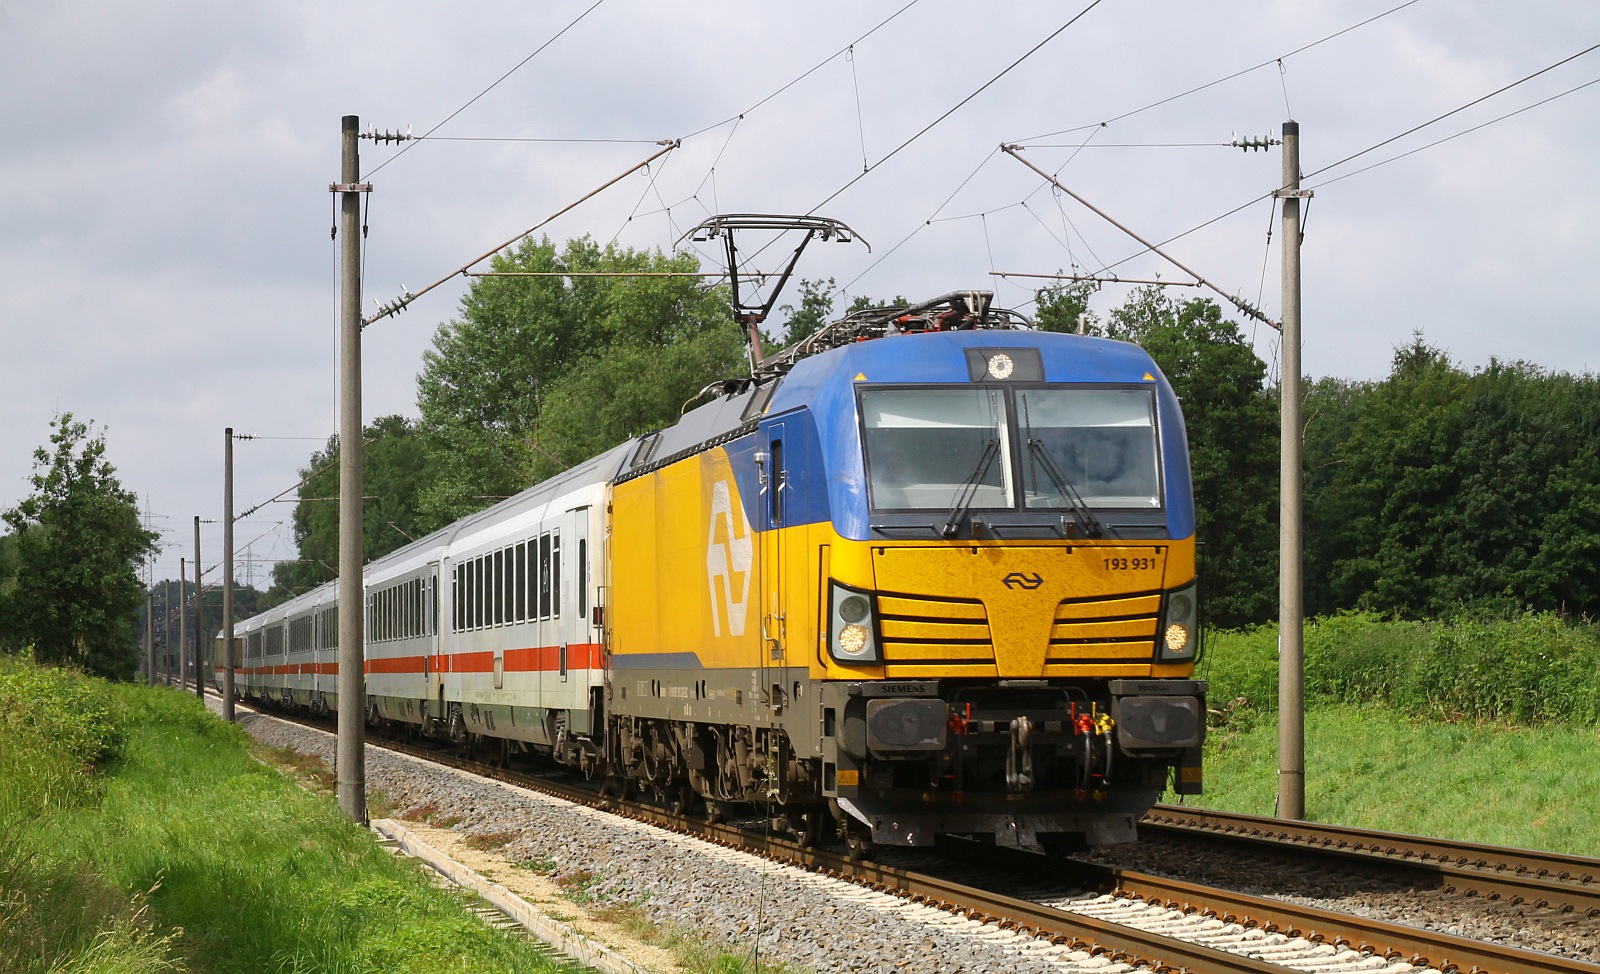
(775, 496)
(577, 634)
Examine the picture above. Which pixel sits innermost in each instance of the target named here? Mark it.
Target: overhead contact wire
(471, 101)
(1457, 135)
(1222, 80)
(1457, 111)
(959, 105)
(813, 70)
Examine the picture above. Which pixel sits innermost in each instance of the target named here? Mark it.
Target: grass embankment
(1479, 730)
(138, 835)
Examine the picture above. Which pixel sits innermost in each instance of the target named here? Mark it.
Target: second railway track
(1516, 876)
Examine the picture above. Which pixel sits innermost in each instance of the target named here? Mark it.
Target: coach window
(544, 576)
(555, 572)
(499, 562)
(521, 559)
(481, 582)
(455, 598)
(508, 585)
(583, 579)
(469, 595)
(533, 579)
(480, 601)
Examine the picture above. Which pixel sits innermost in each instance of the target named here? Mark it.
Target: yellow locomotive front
(963, 559)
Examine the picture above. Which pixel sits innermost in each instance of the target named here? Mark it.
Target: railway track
(1516, 876)
(1119, 915)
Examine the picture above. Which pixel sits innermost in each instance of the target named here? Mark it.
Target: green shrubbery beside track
(1525, 669)
(138, 835)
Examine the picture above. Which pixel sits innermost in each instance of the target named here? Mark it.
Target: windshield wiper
(1092, 528)
(969, 489)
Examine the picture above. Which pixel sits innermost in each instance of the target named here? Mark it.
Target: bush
(1526, 669)
(80, 716)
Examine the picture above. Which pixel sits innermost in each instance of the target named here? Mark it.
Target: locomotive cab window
(1025, 446)
(927, 447)
(1100, 443)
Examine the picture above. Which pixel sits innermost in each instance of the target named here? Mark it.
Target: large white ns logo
(724, 559)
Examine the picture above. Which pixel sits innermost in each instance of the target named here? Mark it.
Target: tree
(1061, 307)
(519, 341)
(394, 472)
(77, 539)
(1232, 429)
(1330, 410)
(1451, 490)
(815, 310)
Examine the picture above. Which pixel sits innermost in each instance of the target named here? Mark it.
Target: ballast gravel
(729, 897)
(750, 904)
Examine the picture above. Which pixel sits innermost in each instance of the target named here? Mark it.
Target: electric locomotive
(931, 571)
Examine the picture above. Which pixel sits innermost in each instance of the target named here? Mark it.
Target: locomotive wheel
(808, 826)
(681, 799)
(716, 812)
(858, 844)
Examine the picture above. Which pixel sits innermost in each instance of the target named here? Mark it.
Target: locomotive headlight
(854, 608)
(852, 626)
(1180, 629)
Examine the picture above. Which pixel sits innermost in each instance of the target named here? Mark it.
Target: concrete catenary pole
(199, 618)
(351, 757)
(183, 623)
(1291, 592)
(166, 630)
(227, 580)
(150, 637)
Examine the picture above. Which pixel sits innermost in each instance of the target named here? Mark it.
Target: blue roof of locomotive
(825, 385)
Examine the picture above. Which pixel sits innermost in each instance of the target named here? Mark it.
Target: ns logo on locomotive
(930, 571)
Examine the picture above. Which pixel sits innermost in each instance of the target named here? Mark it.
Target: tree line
(1432, 490)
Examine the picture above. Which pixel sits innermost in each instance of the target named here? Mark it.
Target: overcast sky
(166, 268)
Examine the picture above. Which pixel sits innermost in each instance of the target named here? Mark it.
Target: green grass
(1473, 728)
(181, 852)
(1530, 787)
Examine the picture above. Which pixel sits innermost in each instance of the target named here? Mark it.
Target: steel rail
(1542, 879)
(1414, 945)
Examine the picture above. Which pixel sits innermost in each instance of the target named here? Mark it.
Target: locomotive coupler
(1019, 759)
